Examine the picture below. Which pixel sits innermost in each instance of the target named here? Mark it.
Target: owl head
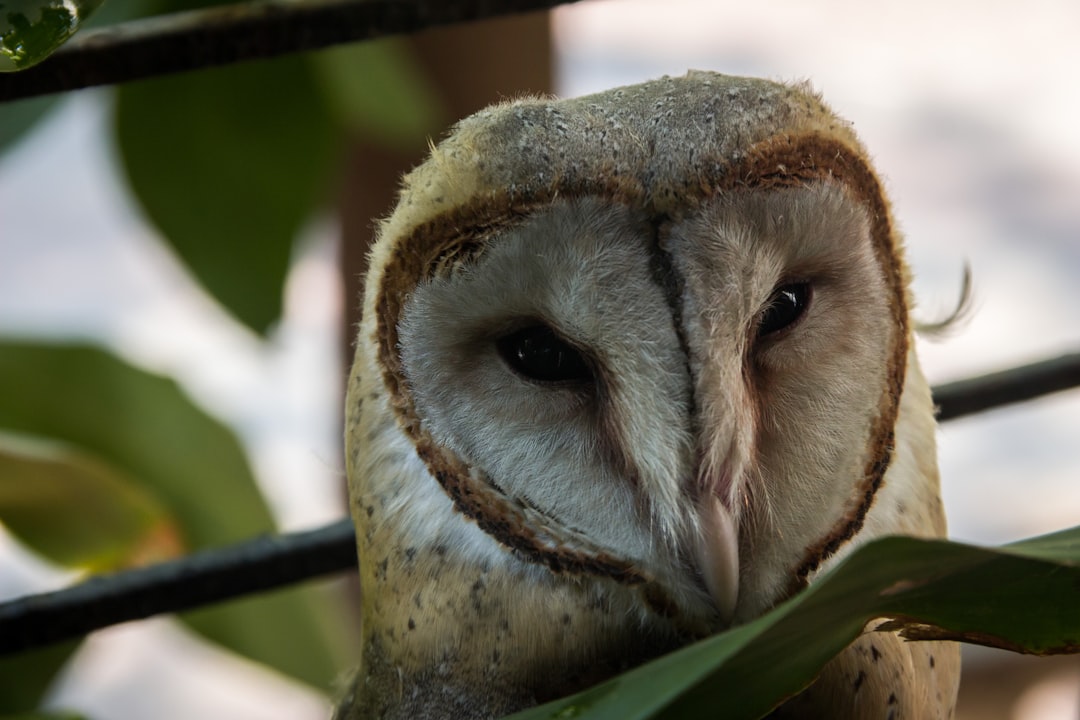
(633, 367)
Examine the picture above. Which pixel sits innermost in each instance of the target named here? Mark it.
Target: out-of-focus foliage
(153, 439)
(378, 91)
(25, 678)
(229, 165)
(78, 511)
(18, 117)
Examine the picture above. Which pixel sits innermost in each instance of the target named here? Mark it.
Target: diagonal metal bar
(198, 579)
(222, 35)
(269, 562)
(1027, 382)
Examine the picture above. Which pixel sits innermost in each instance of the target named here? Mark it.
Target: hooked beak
(718, 554)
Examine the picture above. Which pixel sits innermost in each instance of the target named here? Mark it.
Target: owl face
(677, 394)
(633, 367)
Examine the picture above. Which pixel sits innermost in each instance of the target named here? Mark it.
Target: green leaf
(379, 90)
(932, 588)
(112, 13)
(32, 30)
(78, 511)
(229, 164)
(25, 678)
(145, 427)
(16, 118)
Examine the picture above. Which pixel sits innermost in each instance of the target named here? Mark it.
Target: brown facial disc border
(785, 161)
(459, 233)
(781, 161)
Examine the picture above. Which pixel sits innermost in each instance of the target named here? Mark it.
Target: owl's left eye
(539, 354)
(787, 304)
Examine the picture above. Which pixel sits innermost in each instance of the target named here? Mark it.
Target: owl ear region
(718, 555)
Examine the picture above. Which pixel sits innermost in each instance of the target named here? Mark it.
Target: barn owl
(633, 368)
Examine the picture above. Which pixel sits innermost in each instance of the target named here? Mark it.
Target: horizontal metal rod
(269, 562)
(1026, 382)
(202, 578)
(222, 35)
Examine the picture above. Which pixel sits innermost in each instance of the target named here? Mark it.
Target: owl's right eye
(787, 304)
(537, 353)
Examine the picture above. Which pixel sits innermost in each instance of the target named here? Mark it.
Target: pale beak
(718, 555)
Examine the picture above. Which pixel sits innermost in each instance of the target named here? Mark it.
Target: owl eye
(537, 353)
(786, 305)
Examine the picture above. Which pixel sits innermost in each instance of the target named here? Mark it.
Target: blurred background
(969, 110)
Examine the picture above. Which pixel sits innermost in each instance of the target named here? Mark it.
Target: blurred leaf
(44, 716)
(19, 116)
(32, 30)
(118, 11)
(77, 511)
(1022, 597)
(157, 7)
(141, 424)
(145, 427)
(26, 677)
(378, 89)
(229, 163)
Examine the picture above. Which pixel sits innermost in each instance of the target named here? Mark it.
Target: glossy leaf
(934, 589)
(78, 511)
(32, 30)
(145, 427)
(229, 164)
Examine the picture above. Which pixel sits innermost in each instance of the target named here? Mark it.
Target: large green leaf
(229, 164)
(78, 511)
(146, 427)
(1024, 597)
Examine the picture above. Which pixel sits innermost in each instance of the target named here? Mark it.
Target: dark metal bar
(198, 579)
(222, 35)
(1027, 382)
(268, 562)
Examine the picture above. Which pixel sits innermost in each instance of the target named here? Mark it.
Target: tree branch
(269, 562)
(222, 35)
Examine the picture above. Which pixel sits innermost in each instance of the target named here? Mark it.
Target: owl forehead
(659, 143)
